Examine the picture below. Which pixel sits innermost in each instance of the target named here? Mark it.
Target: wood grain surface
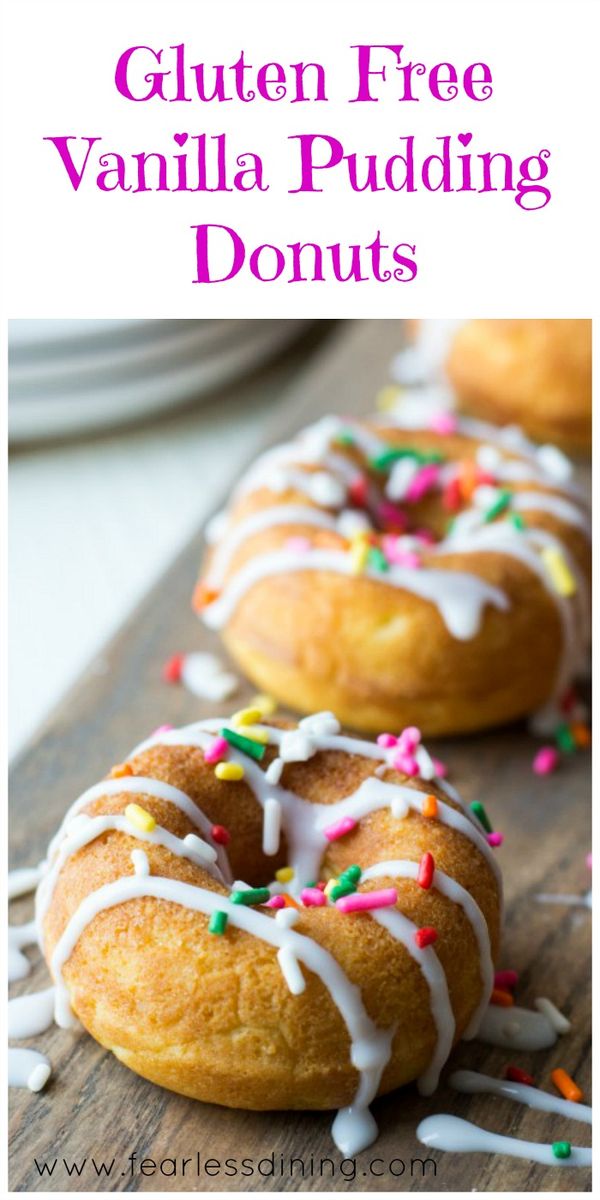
(96, 1111)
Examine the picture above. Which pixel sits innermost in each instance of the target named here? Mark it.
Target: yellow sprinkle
(265, 704)
(136, 815)
(560, 574)
(256, 733)
(330, 886)
(388, 397)
(229, 770)
(247, 716)
(359, 553)
(284, 874)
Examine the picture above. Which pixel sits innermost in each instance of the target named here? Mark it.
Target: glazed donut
(535, 373)
(418, 567)
(354, 976)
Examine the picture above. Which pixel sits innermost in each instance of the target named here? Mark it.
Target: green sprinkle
(352, 874)
(387, 458)
(376, 559)
(517, 521)
(218, 922)
(246, 745)
(564, 739)
(561, 1149)
(251, 896)
(477, 808)
(345, 438)
(343, 888)
(501, 502)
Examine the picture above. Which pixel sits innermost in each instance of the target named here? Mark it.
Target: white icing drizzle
(271, 825)
(445, 1132)
(557, 506)
(30, 1015)
(460, 601)
(404, 931)
(557, 1019)
(20, 936)
(369, 1045)
(569, 899)
(516, 1028)
(306, 839)
(453, 891)
(28, 1068)
(474, 1083)
(139, 785)
(86, 830)
(524, 545)
(205, 676)
(258, 522)
(24, 880)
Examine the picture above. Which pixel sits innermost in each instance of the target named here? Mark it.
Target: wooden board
(95, 1108)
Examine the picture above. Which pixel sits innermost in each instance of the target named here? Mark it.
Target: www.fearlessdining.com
(271, 1166)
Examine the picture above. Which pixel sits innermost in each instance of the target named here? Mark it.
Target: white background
(94, 254)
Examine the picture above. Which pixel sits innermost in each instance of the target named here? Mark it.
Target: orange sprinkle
(121, 770)
(203, 596)
(502, 998)
(581, 734)
(430, 807)
(566, 1085)
(467, 478)
(289, 903)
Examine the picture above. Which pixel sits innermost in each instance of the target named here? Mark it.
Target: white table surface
(93, 524)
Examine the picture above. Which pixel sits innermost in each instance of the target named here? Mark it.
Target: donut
(419, 567)
(269, 916)
(535, 373)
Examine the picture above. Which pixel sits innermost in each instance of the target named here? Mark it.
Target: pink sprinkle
(440, 768)
(275, 902)
(390, 515)
(392, 548)
(443, 422)
(495, 839)
(161, 729)
(363, 901)
(216, 750)
(297, 545)
(546, 760)
(313, 897)
(340, 828)
(506, 980)
(409, 739)
(405, 763)
(422, 482)
(588, 861)
(426, 536)
(387, 740)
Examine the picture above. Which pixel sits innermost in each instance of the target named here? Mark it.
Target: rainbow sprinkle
(218, 922)
(251, 896)
(367, 901)
(340, 828)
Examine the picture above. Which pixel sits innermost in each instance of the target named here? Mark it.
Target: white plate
(51, 416)
(99, 365)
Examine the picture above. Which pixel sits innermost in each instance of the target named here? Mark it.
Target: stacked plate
(70, 376)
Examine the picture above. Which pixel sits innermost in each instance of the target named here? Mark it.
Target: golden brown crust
(212, 1017)
(535, 373)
